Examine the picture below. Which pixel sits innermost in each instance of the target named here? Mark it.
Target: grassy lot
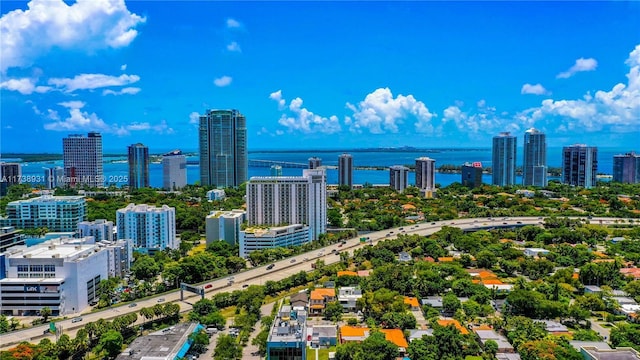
(323, 354)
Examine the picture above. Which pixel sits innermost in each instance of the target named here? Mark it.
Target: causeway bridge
(264, 163)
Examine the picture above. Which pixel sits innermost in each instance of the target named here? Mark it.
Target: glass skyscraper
(626, 168)
(534, 169)
(138, 166)
(223, 148)
(579, 165)
(345, 170)
(504, 159)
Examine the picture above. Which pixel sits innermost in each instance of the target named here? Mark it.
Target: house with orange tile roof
(319, 299)
(445, 259)
(446, 322)
(353, 333)
(633, 272)
(347, 273)
(396, 336)
(364, 273)
(412, 302)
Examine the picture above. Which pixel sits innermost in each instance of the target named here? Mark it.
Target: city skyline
(420, 79)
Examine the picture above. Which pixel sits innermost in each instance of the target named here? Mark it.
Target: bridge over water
(264, 163)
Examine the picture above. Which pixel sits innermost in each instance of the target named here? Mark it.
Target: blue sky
(312, 75)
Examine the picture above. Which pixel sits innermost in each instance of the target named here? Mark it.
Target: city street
(282, 269)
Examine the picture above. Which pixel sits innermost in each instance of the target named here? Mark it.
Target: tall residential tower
(138, 166)
(82, 157)
(504, 159)
(626, 168)
(398, 177)
(534, 170)
(223, 148)
(174, 170)
(579, 165)
(345, 170)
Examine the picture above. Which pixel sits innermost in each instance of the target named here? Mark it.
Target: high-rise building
(9, 237)
(579, 165)
(100, 229)
(472, 174)
(149, 227)
(138, 166)
(82, 157)
(626, 168)
(504, 159)
(398, 177)
(276, 170)
(425, 173)
(10, 174)
(345, 170)
(314, 162)
(289, 200)
(534, 168)
(54, 177)
(174, 170)
(223, 148)
(56, 213)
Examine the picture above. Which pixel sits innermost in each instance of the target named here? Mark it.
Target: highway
(281, 270)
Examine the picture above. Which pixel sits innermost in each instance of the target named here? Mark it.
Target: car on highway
(245, 286)
(271, 266)
(292, 261)
(208, 286)
(76, 319)
(340, 245)
(46, 331)
(161, 300)
(518, 222)
(306, 259)
(504, 223)
(133, 305)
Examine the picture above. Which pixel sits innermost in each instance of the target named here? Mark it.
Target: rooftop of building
(261, 230)
(69, 252)
(49, 198)
(455, 323)
(288, 326)
(235, 213)
(395, 336)
(160, 345)
(319, 294)
(612, 354)
(145, 208)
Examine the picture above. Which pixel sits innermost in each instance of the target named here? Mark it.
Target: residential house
(319, 299)
(322, 335)
(412, 302)
(433, 301)
(486, 333)
(419, 333)
(404, 256)
(535, 252)
(353, 333)
(592, 289)
(554, 327)
(446, 322)
(299, 301)
(396, 336)
(348, 296)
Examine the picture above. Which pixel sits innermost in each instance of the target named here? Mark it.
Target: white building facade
(289, 200)
(253, 239)
(224, 226)
(174, 170)
(100, 229)
(62, 276)
(56, 213)
(149, 227)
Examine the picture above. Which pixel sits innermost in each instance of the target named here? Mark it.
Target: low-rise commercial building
(288, 335)
(100, 229)
(168, 344)
(9, 237)
(258, 238)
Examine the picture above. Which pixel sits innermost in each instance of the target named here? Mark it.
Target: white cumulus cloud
(194, 118)
(123, 91)
(380, 112)
(300, 119)
(581, 64)
(92, 81)
(234, 47)
(123, 67)
(536, 89)
(223, 81)
(233, 23)
(616, 110)
(45, 24)
(24, 86)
